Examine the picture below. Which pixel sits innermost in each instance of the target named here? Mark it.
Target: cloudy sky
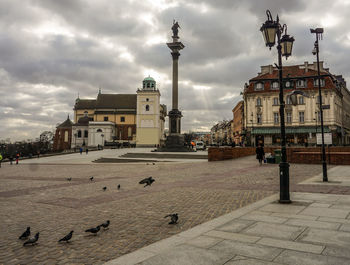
(51, 50)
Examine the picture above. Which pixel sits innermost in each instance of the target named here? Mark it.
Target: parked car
(200, 145)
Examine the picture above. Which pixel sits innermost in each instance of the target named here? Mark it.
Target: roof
(108, 101)
(149, 79)
(66, 124)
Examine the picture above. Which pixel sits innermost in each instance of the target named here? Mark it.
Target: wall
(334, 155)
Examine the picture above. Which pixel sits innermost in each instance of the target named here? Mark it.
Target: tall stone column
(175, 141)
(175, 115)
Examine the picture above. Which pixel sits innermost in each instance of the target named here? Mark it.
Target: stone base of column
(174, 143)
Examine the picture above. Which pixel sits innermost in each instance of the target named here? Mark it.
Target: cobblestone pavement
(39, 196)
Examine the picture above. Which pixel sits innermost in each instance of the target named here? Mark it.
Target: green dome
(149, 79)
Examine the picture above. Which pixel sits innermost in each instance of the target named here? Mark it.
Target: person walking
(87, 151)
(11, 159)
(260, 154)
(17, 158)
(0, 160)
(81, 150)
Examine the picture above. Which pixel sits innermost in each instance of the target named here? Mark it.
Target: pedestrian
(260, 154)
(17, 158)
(81, 150)
(87, 151)
(0, 160)
(38, 154)
(11, 159)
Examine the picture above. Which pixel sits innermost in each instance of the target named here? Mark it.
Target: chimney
(306, 64)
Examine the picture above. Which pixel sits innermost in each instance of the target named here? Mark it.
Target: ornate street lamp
(318, 32)
(270, 29)
(294, 96)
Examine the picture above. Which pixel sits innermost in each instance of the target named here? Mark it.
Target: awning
(289, 130)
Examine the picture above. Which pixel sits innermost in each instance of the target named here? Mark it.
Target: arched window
(86, 133)
(147, 99)
(99, 130)
(258, 101)
(66, 136)
(79, 134)
(147, 107)
(148, 85)
(129, 131)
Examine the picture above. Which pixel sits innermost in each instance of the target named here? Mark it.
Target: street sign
(326, 106)
(327, 138)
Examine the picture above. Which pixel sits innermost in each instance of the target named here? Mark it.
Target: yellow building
(134, 118)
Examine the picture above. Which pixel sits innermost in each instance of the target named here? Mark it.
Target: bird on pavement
(174, 217)
(32, 240)
(104, 188)
(25, 234)
(93, 230)
(67, 237)
(92, 178)
(69, 179)
(118, 186)
(106, 224)
(147, 181)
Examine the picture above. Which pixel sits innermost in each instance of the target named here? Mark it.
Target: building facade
(238, 121)
(134, 118)
(261, 106)
(63, 136)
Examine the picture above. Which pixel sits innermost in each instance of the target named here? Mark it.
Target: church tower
(148, 123)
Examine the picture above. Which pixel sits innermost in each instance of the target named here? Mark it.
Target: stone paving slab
(326, 237)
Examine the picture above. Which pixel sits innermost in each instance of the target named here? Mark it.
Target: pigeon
(119, 187)
(174, 218)
(25, 234)
(69, 179)
(67, 237)
(105, 225)
(104, 188)
(153, 163)
(147, 181)
(32, 240)
(92, 178)
(93, 230)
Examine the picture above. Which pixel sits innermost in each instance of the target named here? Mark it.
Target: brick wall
(336, 155)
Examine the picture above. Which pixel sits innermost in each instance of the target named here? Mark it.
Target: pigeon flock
(94, 230)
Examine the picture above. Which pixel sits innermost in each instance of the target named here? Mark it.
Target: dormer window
(300, 83)
(316, 82)
(275, 85)
(288, 84)
(259, 86)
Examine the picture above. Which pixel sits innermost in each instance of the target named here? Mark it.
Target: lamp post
(270, 29)
(318, 32)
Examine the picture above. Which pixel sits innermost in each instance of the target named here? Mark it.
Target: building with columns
(134, 118)
(261, 106)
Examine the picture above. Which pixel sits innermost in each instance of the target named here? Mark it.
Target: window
(147, 107)
(259, 118)
(316, 82)
(122, 119)
(289, 117)
(275, 85)
(276, 117)
(86, 113)
(289, 101)
(129, 131)
(105, 118)
(147, 99)
(258, 101)
(301, 100)
(79, 134)
(66, 136)
(275, 101)
(301, 116)
(301, 83)
(259, 86)
(148, 85)
(99, 130)
(86, 133)
(318, 116)
(318, 99)
(288, 84)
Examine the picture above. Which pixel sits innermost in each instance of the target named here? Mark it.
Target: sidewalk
(314, 229)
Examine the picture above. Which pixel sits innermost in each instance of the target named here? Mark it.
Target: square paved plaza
(36, 193)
